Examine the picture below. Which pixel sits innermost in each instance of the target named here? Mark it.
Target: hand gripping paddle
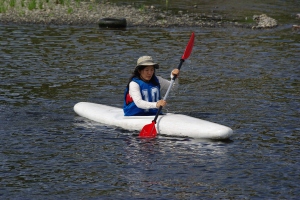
(149, 130)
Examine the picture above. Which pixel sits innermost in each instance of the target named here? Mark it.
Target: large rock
(263, 21)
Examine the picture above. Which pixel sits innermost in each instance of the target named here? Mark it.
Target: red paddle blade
(148, 131)
(189, 48)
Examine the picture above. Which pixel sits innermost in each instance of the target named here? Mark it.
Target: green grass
(6, 5)
(142, 8)
(12, 3)
(70, 10)
(32, 4)
(41, 4)
(2, 6)
(62, 2)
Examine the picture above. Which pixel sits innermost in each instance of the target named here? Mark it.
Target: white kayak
(169, 124)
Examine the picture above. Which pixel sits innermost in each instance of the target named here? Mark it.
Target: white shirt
(134, 92)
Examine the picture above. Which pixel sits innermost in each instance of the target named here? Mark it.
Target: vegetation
(70, 10)
(2, 6)
(19, 5)
(32, 4)
(12, 3)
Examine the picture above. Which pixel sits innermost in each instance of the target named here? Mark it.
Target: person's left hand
(175, 72)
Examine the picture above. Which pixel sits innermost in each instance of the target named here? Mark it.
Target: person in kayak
(143, 92)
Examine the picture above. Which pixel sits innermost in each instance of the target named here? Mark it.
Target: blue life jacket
(149, 92)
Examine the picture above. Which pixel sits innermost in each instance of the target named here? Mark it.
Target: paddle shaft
(168, 91)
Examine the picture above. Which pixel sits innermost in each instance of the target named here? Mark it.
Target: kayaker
(143, 91)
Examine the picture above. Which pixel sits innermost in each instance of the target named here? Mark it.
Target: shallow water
(245, 79)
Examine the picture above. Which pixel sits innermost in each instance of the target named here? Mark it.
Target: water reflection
(150, 165)
(150, 162)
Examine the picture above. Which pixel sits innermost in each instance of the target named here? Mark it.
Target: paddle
(149, 130)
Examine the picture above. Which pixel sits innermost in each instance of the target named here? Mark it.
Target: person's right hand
(161, 103)
(175, 72)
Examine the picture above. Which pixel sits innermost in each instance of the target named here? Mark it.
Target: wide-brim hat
(146, 61)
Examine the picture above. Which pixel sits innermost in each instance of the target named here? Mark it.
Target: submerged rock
(263, 21)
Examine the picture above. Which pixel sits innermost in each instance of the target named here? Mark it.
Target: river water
(245, 79)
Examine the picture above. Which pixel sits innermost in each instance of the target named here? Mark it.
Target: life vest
(149, 92)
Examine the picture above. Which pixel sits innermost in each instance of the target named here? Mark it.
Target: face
(147, 73)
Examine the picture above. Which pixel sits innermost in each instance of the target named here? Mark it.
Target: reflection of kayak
(169, 124)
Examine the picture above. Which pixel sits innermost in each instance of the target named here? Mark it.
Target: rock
(296, 28)
(263, 21)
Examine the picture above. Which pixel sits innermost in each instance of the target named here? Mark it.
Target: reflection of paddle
(149, 130)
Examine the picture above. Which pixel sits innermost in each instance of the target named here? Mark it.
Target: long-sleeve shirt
(134, 91)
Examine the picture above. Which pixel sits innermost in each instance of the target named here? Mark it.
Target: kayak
(169, 124)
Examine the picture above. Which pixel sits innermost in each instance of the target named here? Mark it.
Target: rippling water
(245, 79)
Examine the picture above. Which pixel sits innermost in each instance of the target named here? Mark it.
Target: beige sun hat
(146, 61)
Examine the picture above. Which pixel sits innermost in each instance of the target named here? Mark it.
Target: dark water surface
(245, 79)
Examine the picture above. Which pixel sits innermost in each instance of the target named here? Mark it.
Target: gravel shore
(78, 12)
(75, 12)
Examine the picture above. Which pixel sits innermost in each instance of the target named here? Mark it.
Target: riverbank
(75, 12)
